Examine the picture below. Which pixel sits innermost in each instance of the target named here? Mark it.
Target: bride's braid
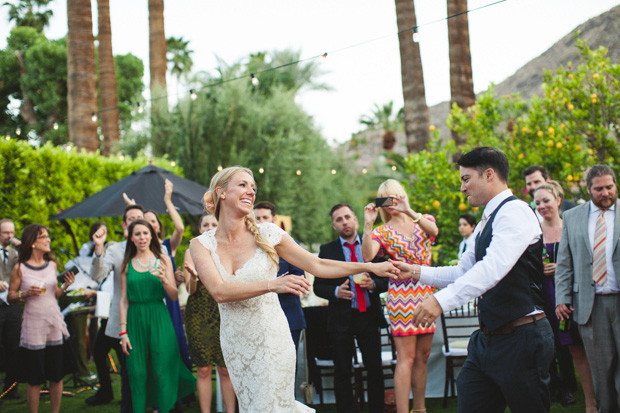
(212, 204)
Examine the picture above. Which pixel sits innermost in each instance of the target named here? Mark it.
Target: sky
(503, 37)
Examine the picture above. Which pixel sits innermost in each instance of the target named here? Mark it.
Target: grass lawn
(75, 403)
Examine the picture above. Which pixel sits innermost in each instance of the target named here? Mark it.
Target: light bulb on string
(219, 168)
(416, 35)
(364, 171)
(93, 117)
(298, 172)
(255, 81)
(7, 137)
(55, 125)
(140, 108)
(192, 94)
(394, 167)
(18, 131)
(261, 170)
(323, 58)
(334, 172)
(173, 163)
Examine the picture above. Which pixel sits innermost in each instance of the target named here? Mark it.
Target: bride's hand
(385, 269)
(294, 284)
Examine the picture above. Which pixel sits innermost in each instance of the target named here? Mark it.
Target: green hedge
(37, 183)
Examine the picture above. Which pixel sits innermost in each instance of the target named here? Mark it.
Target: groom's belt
(510, 327)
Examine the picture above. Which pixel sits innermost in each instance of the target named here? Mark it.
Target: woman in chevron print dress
(405, 236)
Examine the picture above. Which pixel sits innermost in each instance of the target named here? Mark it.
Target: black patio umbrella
(146, 186)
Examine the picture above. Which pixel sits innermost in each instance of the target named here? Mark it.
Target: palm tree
(461, 81)
(384, 118)
(415, 110)
(81, 78)
(108, 93)
(24, 14)
(179, 56)
(157, 56)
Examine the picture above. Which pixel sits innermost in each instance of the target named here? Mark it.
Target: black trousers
(368, 337)
(507, 370)
(10, 331)
(103, 345)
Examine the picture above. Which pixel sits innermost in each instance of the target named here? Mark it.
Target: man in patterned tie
(354, 312)
(586, 279)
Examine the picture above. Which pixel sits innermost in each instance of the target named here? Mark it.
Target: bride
(237, 262)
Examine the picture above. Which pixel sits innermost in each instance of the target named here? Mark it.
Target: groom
(349, 317)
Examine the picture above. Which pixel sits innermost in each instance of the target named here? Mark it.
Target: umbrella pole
(69, 231)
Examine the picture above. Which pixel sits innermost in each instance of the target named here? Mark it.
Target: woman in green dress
(202, 324)
(157, 376)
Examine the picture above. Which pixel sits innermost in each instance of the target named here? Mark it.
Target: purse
(307, 389)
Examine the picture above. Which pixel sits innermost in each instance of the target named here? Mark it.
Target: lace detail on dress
(256, 341)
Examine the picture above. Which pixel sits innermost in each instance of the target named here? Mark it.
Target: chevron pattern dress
(403, 296)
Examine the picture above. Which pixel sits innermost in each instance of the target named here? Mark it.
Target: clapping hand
(344, 291)
(168, 187)
(159, 270)
(178, 277)
(128, 201)
(100, 236)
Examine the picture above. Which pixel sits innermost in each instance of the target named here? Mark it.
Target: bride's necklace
(146, 266)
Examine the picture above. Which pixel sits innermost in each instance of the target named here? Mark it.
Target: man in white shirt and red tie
(354, 312)
(586, 281)
(508, 358)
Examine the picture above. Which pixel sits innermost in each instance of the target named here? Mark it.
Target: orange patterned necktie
(599, 265)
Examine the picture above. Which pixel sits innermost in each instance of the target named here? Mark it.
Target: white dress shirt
(515, 227)
(467, 244)
(611, 284)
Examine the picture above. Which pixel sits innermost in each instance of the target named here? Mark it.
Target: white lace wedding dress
(255, 337)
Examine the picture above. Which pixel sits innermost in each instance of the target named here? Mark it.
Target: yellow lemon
(570, 106)
(551, 131)
(431, 128)
(570, 76)
(475, 209)
(436, 204)
(578, 148)
(569, 178)
(525, 129)
(593, 96)
(462, 206)
(550, 143)
(563, 126)
(521, 156)
(595, 76)
(590, 151)
(594, 101)
(540, 133)
(558, 145)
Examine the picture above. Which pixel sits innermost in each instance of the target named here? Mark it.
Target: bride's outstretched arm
(324, 268)
(226, 292)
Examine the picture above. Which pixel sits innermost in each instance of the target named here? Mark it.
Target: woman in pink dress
(44, 331)
(405, 236)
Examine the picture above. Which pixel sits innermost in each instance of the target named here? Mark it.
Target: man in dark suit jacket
(291, 305)
(350, 315)
(10, 314)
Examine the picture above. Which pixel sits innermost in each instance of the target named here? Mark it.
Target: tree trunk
(108, 93)
(81, 78)
(157, 55)
(416, 112)
(26, 109)
(461, 81)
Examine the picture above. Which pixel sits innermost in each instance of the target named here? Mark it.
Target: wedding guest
(467, 224)
(44, 333)
(405, 236)
(156, 372)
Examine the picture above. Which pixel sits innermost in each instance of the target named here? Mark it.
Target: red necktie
(359, 292)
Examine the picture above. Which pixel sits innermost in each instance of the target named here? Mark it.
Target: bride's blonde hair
(211, 200)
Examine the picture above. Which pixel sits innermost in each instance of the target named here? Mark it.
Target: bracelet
(268, 289)
(124, 333)
(418, 218)
(123, 324)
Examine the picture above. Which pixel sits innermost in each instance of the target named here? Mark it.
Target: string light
(394, 167)
(7, 137)
(255, 81)
(364, 171)
(416, 35)
(55, 125)
(261, 170)
(192, 94)
(334, 172)
(140, 108)
(173, 163)
(323, 58)
(219, 168)
(298, 172)
(93, 117)
(18, 131)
